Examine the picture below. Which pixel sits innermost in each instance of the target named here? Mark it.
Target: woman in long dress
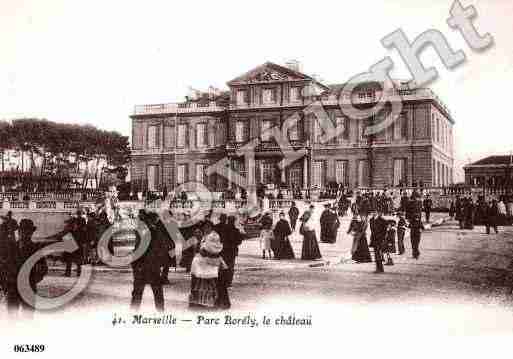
(205, 267)
(282, 231)
(310, 250)
(360, 249)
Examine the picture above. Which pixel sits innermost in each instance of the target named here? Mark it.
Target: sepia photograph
(248, 178)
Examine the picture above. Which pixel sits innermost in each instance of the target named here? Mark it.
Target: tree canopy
(63, 146)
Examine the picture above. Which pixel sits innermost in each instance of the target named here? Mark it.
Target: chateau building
(175, 143)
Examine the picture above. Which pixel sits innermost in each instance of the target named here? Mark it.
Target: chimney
(294, 65)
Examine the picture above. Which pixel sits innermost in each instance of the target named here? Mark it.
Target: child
(266, 237)
(390, 243)
(401, 230)
(391, 236)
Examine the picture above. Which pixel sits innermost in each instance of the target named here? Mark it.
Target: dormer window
(269, 96)
(242, 97)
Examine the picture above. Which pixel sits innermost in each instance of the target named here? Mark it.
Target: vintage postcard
(271, 178)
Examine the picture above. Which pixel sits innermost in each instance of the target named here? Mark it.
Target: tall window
(221, 134)
(138, 135)
(341, 172)
(434, 173)
(342, 128)
(239, 166)
(363, 173)
(269, 96)
(268, 172)
(318, 173)
(169, 136)
(400, 127)
(399, 171)
(201, 176)
(317, 132)
(201, 135)
(438, 130)
(181, 174)
(265, 135)
(152, 173)
(294, 131)
(361, 130)
(153, 140)
(240, 131)
(242, 97)
(181, 136)
(295, 94)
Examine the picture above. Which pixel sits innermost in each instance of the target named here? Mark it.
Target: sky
(92, 62)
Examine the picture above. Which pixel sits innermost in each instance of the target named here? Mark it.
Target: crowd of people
(489, 213)
(378, 226)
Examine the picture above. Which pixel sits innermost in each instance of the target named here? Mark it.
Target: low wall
(47, 222)
(48, 216)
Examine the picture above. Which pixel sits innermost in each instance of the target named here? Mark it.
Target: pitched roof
(270, 71)
(494, 160)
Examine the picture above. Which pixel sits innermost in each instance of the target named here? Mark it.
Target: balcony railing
(406, 95)
(176, 108)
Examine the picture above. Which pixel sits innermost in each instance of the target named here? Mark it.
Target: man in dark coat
(293, 215)
(482, 213)
(11, 226)
(459, 211)
(416, 227)
(76, 227)
(9, 265)
(404, 202)
(468, 212)
(329, 225)
(220, 227)
(161, 231)
(428, 204)
(12, 257)
(147, 268)
(492, 212)
(231, 238)
(380, 232)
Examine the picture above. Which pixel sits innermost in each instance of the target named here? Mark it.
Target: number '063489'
(29, 348)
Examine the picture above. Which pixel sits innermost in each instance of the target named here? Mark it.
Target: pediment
(269, 72)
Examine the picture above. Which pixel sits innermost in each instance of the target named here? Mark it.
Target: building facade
(176, 143)
(492, 171)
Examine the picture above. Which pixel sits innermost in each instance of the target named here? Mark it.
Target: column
(249, 157)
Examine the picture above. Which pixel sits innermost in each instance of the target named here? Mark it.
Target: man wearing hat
(428, 204)
(76, 226)
(14, 255)
(147, 269)
(380, 225)
(415, 233)
(11, 226)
